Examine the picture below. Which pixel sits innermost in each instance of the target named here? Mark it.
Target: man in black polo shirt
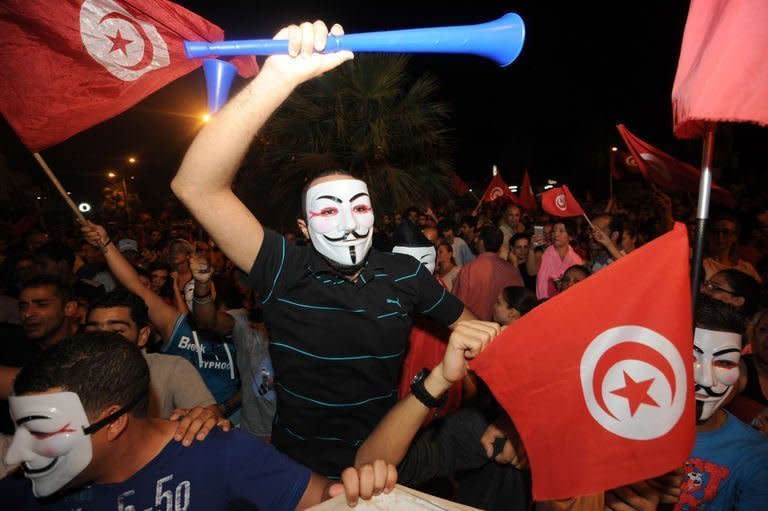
(338, 312)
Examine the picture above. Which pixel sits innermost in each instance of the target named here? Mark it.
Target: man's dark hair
(56, 252)
(100, 367)
(518, 236)
(124, 298)
(469, 220)
(713, 314)
(745, 286)
(446, 225)
(324, 173)
(520, 298)
(62, 289)
(492, 238)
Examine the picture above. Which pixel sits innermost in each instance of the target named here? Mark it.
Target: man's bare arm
(391, 438)
(161, 315)
(204, 181)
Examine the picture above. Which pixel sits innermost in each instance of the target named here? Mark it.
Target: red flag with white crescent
(667, 172)
(560, 201)
(68, 65)
(603, 399)
(498, 189)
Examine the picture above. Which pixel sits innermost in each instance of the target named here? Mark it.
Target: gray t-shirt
(256, 376)
(174, 383)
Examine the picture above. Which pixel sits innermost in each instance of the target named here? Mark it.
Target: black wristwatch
(420, 392)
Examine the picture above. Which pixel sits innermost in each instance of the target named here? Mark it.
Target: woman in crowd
(447, 269)
(557, 257)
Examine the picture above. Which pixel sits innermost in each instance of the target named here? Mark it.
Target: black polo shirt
(337, 347)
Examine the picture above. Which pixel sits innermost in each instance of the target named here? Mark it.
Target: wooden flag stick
(80, 218)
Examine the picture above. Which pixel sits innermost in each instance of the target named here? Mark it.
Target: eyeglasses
(711, 286)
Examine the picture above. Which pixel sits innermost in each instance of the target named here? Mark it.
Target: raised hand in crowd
(599, 236)
(393, 435)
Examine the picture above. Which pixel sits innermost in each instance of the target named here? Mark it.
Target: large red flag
(598, 380)
(498, 189)
(722, 74)
(560, 202)
(70, 64)
(527, 198)
(623, 164)
(667, 172)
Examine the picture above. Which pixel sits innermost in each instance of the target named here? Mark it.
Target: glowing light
(547, 187)
(614, 149)
(205, 117)
(131, 160)
(111, 175)
(84, 207)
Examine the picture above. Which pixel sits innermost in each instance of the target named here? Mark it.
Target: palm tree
(369, 117)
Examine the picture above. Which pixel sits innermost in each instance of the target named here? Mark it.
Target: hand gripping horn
(500, 40)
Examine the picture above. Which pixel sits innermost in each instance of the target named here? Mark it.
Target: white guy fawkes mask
(340, 220)
(715, 368)
(50, 439)
(426, 255)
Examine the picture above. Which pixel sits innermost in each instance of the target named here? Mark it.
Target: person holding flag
(338, 311)
(557, 257)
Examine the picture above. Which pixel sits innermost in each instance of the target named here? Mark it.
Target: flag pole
(702, 210)
(80, 218)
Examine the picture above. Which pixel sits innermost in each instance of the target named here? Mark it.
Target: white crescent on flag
(561, 203)
(634, 382)
(126, 47)
(495, 193)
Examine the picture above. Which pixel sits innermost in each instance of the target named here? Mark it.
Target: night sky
(584, 68)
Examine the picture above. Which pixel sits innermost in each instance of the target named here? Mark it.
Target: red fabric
(565, 374)
(527, 198)
(623, 164)
(458, 186)
(722, 74)
(53, 84)
(560, 202)
(498, 189)
(667, 172)
(427, 344)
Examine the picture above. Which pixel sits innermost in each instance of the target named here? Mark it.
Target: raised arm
(162, 315)
(204, 309)
(204, 181)
(391, 438)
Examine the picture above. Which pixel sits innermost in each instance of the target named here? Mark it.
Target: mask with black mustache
(340, 222)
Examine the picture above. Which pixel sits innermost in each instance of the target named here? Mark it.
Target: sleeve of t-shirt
(269, 263)
(189, 389)
(263, 476)
(435, 301)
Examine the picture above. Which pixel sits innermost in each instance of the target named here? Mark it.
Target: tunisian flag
(668, 172)
(527, 198)
(498, 189)
(598, 380)
(70, 64)
(722, 74)
(560, 201)
(623, 164)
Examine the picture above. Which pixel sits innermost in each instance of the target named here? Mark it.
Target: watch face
(420, 376)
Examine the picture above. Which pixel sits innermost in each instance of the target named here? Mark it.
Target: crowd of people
(215, 362)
